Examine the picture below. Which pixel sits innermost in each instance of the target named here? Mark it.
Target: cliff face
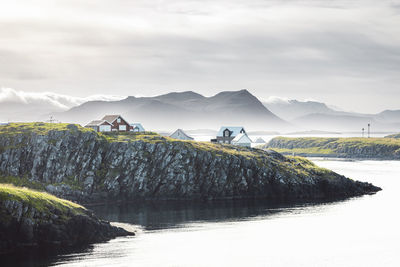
(375, 148)
(86, 166)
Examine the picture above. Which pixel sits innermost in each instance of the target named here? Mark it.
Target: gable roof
(97, 123)
(260, 140)
(138, 125)
(235, 130)
(242, 138)
(112, 118)
(181, 132)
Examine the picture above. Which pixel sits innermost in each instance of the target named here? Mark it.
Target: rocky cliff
(33, 219)
(367, 148)
(82, 165)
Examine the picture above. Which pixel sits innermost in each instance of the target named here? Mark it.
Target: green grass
(311, 150)
(21, 181)
(305, 167)
(221, 149)
(24, 181)
(40, 128)
(127, 137)
(40, 201)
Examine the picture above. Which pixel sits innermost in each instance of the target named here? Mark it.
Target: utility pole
(369, 129)
(363, 132)
(51, 120)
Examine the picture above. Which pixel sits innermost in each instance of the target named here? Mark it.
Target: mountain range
(191, 111)
(313, 115)
(187, 110)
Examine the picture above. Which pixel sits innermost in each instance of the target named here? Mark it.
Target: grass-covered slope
(39, 201)
(80, 164)
(30, 218)
(382, 148)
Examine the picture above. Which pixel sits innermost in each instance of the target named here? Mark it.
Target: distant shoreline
(347, 148)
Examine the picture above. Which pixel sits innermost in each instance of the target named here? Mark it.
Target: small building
(110, 123)
(136, 127)
(242, 139)
(99, 126)
(180, 134)
(227, 134)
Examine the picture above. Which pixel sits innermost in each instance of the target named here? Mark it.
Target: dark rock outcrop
(22, 226)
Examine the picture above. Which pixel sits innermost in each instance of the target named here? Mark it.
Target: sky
(344, 53)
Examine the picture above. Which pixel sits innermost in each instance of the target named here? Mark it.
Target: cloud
(277, 100)
(57, 102)
(298, 48)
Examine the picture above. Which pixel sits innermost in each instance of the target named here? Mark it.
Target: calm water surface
(361, 231)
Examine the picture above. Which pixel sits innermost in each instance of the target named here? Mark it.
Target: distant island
(367, 148)
(393, 136)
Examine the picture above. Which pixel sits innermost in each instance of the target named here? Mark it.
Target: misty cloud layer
(55, 102)
(297, 49)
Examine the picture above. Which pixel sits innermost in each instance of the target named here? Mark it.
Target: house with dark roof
(110, 123)
(227, 133)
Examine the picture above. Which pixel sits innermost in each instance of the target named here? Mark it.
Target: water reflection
(151, 216)
(173, 214)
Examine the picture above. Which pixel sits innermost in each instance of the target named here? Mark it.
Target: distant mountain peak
(186, 109)
(181, 95)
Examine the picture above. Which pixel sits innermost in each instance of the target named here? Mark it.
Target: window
(226, 133)
(122, 127)
(119, 120)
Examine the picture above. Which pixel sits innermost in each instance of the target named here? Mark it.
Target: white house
(227, 133)
(180, 134)
(136, 127)
(99, 126)
(242, 139)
